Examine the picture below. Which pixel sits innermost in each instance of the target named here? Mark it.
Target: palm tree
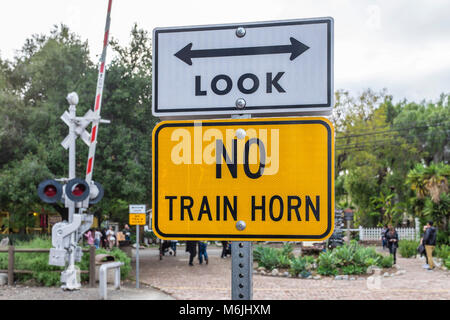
(432, 181)
(429, 181)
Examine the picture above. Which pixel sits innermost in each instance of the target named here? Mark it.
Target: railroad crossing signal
(50, 191)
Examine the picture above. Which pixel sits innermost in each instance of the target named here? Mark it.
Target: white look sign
(266, 67)
(137, 208)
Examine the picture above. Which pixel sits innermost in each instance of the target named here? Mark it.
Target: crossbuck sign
(266, 67)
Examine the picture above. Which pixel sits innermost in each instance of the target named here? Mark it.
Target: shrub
(118, 255)
(268, 258)
(283, 261)
(349, 259)
(287, 250)
(47, 275)
(301, 266)
(344, 255)
(386, 262)
(42, 272)
(447, 263)
(327, 264)
(408, 248)
(442, 251)
(257, 253)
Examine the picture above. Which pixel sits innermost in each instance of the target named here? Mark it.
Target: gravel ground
(127, 291)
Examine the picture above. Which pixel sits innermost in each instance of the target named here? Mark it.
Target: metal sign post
(241, 270)
(137, 257)
(138, 218)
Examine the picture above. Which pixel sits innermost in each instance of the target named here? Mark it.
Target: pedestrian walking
(127, 232)
(104, 239)
(110, 236)
(392, 242)
(97, 238)
(173, 246)
(191, 247)
(90, 237)
(202, 245)
(429, 241)
(225, 250)
(164, 246)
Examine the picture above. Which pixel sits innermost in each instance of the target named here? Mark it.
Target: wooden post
(348, 232)
(92, 266)
(10, 265)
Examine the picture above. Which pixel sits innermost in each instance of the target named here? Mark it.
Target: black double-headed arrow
(296, 48)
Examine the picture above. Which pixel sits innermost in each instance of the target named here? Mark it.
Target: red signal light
(50, 191)
(78, 190)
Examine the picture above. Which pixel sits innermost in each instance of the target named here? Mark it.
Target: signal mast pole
(79, 194)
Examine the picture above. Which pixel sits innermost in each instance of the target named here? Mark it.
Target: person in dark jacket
(225, 250)
(383, 236)
(392, 242)
(191, 247)
(429, 241)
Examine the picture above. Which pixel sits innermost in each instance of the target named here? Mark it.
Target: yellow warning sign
(246, 179)
(137, 219)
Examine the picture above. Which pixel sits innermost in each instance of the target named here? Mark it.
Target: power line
(386, 140)
(392, 130)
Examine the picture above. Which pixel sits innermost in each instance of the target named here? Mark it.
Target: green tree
(33, 90)
(430, 184)
(378, 143)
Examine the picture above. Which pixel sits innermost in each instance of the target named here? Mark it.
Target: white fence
(375, 233)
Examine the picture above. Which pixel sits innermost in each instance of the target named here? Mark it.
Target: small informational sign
(137, 219)
(137, 215)
(246, 179)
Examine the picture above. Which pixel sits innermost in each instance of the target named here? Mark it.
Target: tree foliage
(33, 90)
(378, 145)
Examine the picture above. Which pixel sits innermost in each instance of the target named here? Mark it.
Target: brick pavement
(213, 281)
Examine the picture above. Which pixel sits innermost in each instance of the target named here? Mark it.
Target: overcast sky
(401, 45)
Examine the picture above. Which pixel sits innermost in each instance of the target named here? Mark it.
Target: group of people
(106, 238)
(389, 238)
(192, 247)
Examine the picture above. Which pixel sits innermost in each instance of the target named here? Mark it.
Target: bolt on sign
(247, 179)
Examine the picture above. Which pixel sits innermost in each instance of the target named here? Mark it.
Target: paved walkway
(173, 276)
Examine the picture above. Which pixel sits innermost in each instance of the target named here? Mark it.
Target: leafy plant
(386, 261)
(257, 252)
(47, 275)
(283, 261)
(287, 250)
(300, 265)
(408, 248)
(327, 263)
(268, 258)
(118, 255)
(442, 251)
(447, 263)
